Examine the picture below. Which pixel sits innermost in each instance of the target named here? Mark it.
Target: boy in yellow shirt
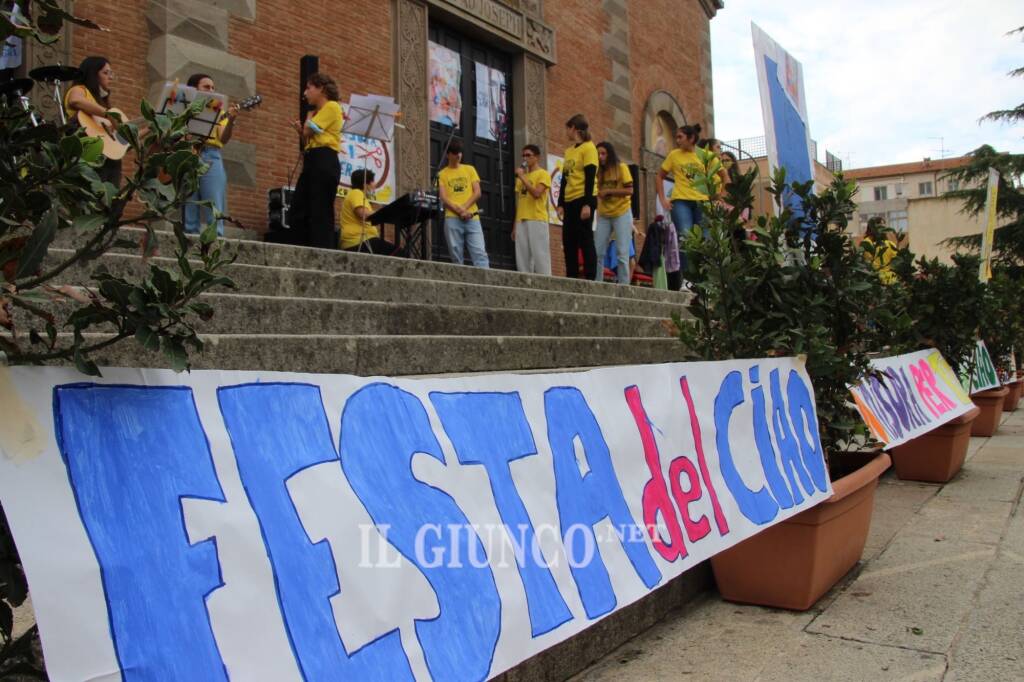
(530, 230)
(459, 189)
(357, 234)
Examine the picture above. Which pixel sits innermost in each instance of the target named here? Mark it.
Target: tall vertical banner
(787, 134)
(271, 526)
(491, 103)
(987, 239)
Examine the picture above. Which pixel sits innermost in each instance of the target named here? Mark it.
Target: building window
(897, 220)
(953, 185)
(881, 193)
(925, 189)
(899, 189)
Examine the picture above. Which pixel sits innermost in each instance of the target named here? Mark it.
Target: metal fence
(757, 148)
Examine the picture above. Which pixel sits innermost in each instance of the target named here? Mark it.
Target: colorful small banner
(985, 376)
(270, 526)
(909, 396)
(555, 168)
(988, 237)
(445, 103)
(358, 152)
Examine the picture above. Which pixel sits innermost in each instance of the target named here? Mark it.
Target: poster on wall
(445, 86)
(555, 169)
(491, 102)
(787, 135)
(359, 152)
(909, 395)
(219, 525)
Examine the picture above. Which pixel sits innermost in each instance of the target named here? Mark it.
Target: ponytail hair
(692, 132)
(581, 125)
(327, 84)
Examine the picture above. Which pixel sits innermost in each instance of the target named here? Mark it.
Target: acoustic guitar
(114, 145)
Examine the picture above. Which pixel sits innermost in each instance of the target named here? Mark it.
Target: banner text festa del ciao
(246, 525)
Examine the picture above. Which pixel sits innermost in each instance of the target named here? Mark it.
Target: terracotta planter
(936, 456)
(1013, 397)
(991, 405)
(792, 564)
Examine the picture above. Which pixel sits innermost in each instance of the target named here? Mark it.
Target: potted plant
(1002, 327)
(944, 303)
(797, 286)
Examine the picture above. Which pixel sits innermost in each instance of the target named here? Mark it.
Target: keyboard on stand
(410, 214)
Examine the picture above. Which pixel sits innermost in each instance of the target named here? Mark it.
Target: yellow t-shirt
(577, 157)
(680, 165)
(882, 259)
(67, 97)
(218, 132)
(330, 121)
(613, 207)
(458, 185)
(527, 206)
(353, 230)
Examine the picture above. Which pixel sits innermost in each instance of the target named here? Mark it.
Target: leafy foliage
(798, 286)
(1001, 322)
(49, 190)
(1008, 245)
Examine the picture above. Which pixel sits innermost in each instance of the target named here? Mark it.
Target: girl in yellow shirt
(90, 94)
(577, 200)
(614, 210)
(213, 185)
(312, 212)
(357, 234)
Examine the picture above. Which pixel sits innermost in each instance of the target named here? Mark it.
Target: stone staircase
(311, 310)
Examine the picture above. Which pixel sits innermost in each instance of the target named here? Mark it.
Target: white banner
(787, 134)
(912, 394)
(271, 526)
(984, 377)
(491, 102)
(359, 153)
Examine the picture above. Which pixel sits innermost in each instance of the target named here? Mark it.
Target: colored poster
(272, 526)
(445, 86)
(787, 135)
(988, 237)
(12, 49)
(984, 376)
(555, 168)
(359, 153)
(1008, 370)
(909, 396)
(491, 102)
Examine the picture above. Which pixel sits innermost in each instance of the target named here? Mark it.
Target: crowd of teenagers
(595, 198)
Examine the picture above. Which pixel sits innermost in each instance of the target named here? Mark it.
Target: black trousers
(579, 234)
(374, 245)
(311, 215)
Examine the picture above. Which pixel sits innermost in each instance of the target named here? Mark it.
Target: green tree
(1008, 245)
(49, 310)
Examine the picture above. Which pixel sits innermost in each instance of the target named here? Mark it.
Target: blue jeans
(619, 228)
(685, 214)
(213, 186)
(470, 232)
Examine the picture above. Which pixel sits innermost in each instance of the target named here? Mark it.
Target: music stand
(174, 99)
(372, 117)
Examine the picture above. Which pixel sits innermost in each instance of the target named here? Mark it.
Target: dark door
(491, 158)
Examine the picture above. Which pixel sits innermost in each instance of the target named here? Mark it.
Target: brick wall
(667, 44)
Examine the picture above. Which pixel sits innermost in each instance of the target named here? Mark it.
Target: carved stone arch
(662, 116)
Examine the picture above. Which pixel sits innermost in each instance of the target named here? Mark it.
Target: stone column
(529, 104)
(618, 91)
(412, 144)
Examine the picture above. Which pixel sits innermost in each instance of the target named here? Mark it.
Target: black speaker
(308, 65)
(278, 201)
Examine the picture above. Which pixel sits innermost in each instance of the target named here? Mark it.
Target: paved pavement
(939, 595)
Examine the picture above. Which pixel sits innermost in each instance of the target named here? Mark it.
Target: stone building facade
(636, 69)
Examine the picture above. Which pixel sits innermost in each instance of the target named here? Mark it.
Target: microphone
(524, 165)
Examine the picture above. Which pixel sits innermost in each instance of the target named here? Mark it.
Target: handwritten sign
(984, 377)
(272, 526)
(363, 153)
(909, 396)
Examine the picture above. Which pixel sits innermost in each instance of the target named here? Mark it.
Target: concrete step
(251, 252)
(400, 355)
(307, 283)
(241, 313)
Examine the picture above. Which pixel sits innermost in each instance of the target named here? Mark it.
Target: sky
(885, 79)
